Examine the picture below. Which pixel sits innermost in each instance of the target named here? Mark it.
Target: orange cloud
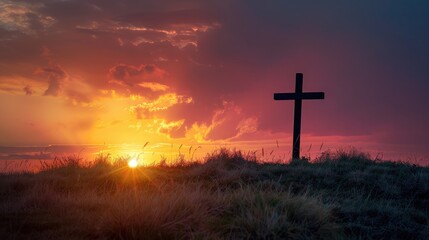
(154, 86)
(163, 102)
(171, 128)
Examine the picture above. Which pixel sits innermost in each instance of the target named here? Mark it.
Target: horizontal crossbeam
(296, 96)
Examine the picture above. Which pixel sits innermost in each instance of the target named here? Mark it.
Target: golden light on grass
(132, 163)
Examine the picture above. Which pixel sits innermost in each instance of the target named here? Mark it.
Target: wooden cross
(298, 96)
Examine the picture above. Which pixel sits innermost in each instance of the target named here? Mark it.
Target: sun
(132, 163)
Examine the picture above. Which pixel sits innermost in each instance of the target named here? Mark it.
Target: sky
(203, 73)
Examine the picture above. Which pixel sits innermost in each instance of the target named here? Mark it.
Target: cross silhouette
(298, 96)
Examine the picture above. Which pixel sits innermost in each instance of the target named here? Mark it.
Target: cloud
(28, 90)
(131, 75)
(23, 17)
(60, 84)
(180, 28)
(247, 125)
(56, 77)
(227, 123)
(54, 87)
(122, 72)
(172, 129)
(154, 86)
(163, 102)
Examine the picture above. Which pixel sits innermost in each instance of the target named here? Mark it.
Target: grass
(342, 195)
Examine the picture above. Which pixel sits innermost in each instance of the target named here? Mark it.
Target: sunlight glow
(132, 163)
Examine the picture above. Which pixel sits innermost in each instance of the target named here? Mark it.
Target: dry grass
(344, 195)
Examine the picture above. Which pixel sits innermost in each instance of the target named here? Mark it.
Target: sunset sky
(203, 73)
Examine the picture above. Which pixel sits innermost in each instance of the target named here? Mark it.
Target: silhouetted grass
(342, 195)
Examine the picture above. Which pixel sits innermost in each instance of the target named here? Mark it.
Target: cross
(298, 96)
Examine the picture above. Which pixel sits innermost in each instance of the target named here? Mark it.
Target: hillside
(343, 195)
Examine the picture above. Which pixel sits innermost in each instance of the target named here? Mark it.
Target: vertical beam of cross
(298, 96)
(297, 117)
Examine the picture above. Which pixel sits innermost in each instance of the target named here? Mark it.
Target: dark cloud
(131, 75)
(122, 72)
(142, 80)
(54, 88)
(28, 90)
(56, 77)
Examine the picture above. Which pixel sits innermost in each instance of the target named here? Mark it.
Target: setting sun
(132, 163)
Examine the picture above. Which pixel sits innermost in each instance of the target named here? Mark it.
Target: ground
(230, 195)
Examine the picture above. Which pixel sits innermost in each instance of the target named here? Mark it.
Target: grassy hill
(344, 195)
